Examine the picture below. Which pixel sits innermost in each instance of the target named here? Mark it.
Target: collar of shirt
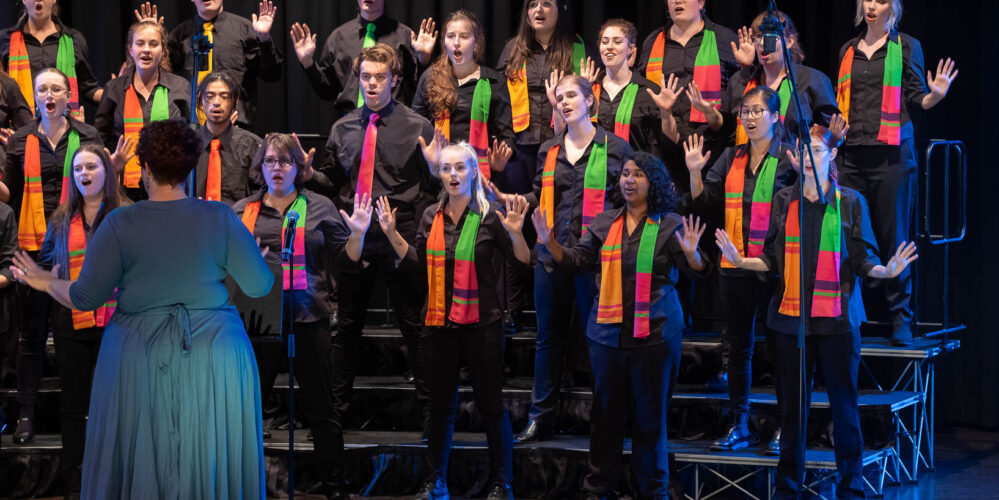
(206, 137)
(383, 114)
(73, 125)
(773, 150)
(600, 137)
(55, 19)
(708, 24)
(383, 25)
(855, 43)
(219, 19)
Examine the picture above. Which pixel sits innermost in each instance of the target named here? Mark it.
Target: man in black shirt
(233, 146)
(331, 75)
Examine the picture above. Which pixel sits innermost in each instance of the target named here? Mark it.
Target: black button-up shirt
(332, 76)
(237, 147)
(51, 162)
(43, 54)
(326, 237)
(646, 130)
(14, 110)
(538, 70)
(569, 177)
(665, 315)
(867, 82)
(8, 245)
(500, 124)
(711, 202)
(818, 99)
(237, 51)
(493, 249)
(858, 255)
(110, 119)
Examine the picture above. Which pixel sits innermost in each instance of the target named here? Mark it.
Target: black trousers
(313, 352)
(481, 350)
(76, 356)
(35, 308)
(636, 383)
(838, 357)
(745, 300)
(886, 176)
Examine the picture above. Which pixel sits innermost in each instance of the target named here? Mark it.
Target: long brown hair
(442, 91)
(559, 49)
(164, 60)
(111, 198)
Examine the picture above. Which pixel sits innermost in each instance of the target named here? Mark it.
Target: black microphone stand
(200, 48)
(288, 325)
(804, 144)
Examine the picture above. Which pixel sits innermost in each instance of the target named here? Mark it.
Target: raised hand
(122, 153)
(5, 134)
(307, 171)
(792, 156)
(359, 221)
(905, 255)
(386, 215)
(432, 151)
(423, 43)
(697, 99)
(304, 41)
(694, 155)
(262, 23)
(499, 155)
(745, 51)
(492, 190)
(693, 229)
(727, 247)
(838, 127)
(588, 69)
(551, 83)
(668, 92)
(516, 212)
(541, 226)
(263, 250)
(148, 12)
(26, 271)
(940, 84)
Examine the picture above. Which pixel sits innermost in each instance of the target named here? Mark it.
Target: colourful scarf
(622, 118)
(763, 194)
(465, 294)
(31, 225)
(66, 62)
(784, 91)
(478, 131)
(20, 69)
(654, 67)
(707, 69)
(76, 246)
(610, 307)
(134, 121)
(517, 86)
(891, 91)
(293, 274)
(826, 296)
(73, 143)
(594, 184)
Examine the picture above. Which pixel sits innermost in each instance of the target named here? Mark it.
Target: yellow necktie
(202, 74)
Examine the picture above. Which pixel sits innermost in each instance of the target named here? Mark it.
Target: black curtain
(968, 381)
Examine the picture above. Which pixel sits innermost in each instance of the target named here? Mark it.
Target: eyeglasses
(53, 91)
(272, 163)
(752, 113)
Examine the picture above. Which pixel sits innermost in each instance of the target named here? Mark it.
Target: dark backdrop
(968, 382)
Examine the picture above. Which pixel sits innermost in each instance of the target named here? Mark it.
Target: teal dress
(175, 405)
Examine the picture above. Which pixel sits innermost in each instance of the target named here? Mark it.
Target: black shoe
(25, 431)
(774, 447)
(738, 437)
(500, 491)
(433, 489)
(717, 383)
(902, 336)
(533, 431)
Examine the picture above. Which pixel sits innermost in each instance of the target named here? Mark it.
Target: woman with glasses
(818, 101)
(741, 186)
(325, 240)
(837, 244)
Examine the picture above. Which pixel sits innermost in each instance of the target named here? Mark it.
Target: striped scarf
(784, 91)
(610, 307)
(293, 274)
(20, 69)
(517, 86)
(594, 184)
(478, 130)
(622, 118)
(707, 69)
(32, 226)
(134, 121)
(826, 296)
(76, 246)
(763, 194)
(465, 294)
(891, 91)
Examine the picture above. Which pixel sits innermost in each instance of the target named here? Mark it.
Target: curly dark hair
(663, 197)
(168, 149)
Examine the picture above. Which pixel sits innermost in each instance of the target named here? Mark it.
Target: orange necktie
(213, 184)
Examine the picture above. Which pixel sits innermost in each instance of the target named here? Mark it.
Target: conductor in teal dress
(175, 405)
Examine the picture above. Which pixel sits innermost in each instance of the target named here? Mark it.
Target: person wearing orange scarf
(634, 329)
(836, 244)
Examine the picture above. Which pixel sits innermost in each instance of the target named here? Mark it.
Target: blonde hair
(471, 160)
(893, 18)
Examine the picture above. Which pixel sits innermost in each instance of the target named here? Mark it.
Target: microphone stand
(804, 144)
(200, 48)
(288, 325)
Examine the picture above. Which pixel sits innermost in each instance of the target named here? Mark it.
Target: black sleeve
(914, 77)
(774, 242)
(8, 242)
(534, 197)
(501, 118)
(822, 97)
(643, 57)
(175, 43)
(104, 120)
(46, 256)
(13, 173)
(584, 256)
(327, 179)
(263, 59)
(714, 184)
(335, 236)
(861, 244)
(18, 112)
(420, 103)
(322, 75)
(416, 256)
(85, 79)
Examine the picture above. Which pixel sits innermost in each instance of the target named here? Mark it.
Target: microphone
(289, 236)
(770, 28)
